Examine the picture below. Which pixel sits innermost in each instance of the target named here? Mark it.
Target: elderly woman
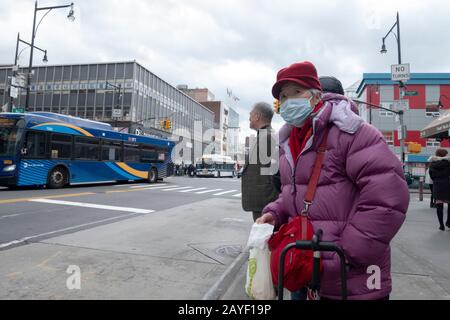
(361, 198)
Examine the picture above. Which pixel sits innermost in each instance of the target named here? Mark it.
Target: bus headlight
(10, 168)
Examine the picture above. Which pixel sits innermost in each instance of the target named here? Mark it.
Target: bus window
(111, 151)
(153, 154)
(61, 146)
(131, 153)
(86, 148)
(8, 139)
(35, 145)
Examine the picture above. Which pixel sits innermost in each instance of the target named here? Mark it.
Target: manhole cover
(229, 251)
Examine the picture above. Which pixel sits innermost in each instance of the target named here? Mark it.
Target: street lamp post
(16, 58)
(383, 50)
(119, 95)
(70, 16)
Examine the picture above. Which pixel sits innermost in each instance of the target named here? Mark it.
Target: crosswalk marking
(91, 205)
(207, 191)
(174, 189)
(225, 192)
(238, 195)
(159, 187)
(190, 190)
(148, 186)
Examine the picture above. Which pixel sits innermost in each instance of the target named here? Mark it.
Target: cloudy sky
(235, 44)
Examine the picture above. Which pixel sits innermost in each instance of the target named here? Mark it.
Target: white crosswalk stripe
(225, 192)
(208, 191)
(148, 185)
(191, 190)
(238, 195)
(174, 189)
(160, 187)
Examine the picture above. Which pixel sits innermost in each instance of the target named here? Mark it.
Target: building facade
(124, 94)
(420, 96)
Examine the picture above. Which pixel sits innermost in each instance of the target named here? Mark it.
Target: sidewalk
(420, 259)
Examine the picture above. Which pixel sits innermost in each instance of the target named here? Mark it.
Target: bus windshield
(8, 140)
(205, 165)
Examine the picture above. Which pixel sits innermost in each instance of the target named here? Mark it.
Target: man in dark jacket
(260, 163)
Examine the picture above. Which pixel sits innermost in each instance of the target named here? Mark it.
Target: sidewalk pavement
(420, 259)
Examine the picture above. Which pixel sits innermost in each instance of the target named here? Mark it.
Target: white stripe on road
(207, 191)
(190, 190)
(180, 188)
(8, 244)
(93, 206)
(222, 193)
(160, 187)
(148, 186)
(238, 195)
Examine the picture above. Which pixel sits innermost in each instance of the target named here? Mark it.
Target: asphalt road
(30, 215)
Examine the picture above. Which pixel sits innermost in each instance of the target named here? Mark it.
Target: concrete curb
(226, 279)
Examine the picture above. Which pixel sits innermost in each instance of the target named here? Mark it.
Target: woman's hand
(266, 218)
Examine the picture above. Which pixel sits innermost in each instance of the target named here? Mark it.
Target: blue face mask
(296, 111)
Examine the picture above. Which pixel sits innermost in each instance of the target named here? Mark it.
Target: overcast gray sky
(236, 44)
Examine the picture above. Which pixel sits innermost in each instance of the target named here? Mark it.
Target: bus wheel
(153, 176)
(57, 178)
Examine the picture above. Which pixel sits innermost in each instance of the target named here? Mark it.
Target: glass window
(153, 154)
(58, 73)
(131, 153)
(48, 99)
(35, 144)
(90, 99)
(66, 73)
(120, 68)
(61, 146)
(84, 73)
(56, 100)
(111, 151)
(64, 100)
(92, 72)
(86, 148)
(82, 99)
(75, 73)
(50, 74)
(99, 99)
(102, 72)
(129, 70)
(40, 74)
(110, 71)
(8, 137)
(127, 99)
(2, 75)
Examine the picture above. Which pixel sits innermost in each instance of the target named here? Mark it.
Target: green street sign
(18, 110)
(411, 93)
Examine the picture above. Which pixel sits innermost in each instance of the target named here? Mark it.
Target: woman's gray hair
(265, 110)
(316, 92)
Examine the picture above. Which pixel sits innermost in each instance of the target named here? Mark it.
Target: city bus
(54, 150)
(214, 165)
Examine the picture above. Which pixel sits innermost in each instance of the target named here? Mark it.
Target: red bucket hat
(301, 73)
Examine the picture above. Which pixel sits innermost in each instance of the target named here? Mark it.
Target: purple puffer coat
(360, 202)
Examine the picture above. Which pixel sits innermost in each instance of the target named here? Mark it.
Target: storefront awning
(438, 128)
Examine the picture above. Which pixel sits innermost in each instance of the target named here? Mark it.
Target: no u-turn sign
(400, 72)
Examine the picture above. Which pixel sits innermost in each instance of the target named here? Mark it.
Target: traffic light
(414, 147)
(276, 106)
(168, 124)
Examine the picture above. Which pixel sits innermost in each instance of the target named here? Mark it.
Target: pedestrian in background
(256, 185)
(440, 174)
(429, 182)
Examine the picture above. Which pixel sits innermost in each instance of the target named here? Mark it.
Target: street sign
(411, 93)
(13, 92)
(18, 110)
(400, 72)
(117, 113)
(401, 105)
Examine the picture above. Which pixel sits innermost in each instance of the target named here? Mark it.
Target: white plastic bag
(259, 284)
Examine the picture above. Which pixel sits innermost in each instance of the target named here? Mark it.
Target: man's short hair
(265, 110)
(441, 152)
